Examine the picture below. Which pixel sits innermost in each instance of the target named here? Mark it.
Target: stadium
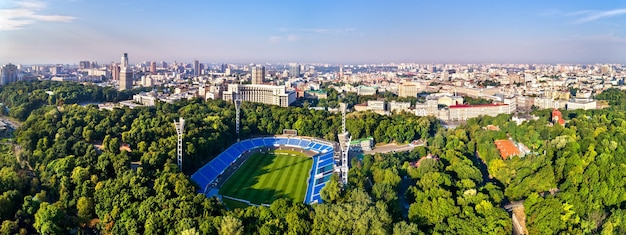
(213, 178)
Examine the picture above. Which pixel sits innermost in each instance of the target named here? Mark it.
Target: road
(387, 148)
(13, 124)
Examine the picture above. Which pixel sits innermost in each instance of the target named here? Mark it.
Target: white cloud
(288, 38)
(23, 13)
(595, 15)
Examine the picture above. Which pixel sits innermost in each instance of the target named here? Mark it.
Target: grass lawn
(264, 178)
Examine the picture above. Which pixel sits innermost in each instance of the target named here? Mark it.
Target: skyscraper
(126, 74)
(8, 74)
(258, 74)
(153, 67)
(84, 65)
(294, 70)
(196, 68)
(115, 71)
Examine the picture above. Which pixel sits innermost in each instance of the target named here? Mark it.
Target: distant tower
(196, 68)
(115, 71)
(258, 74)
(8, 74)
(344, 143)
(84, 64)
(180, 129)
(126, 74)
(294, 70)
(340, 72)
(153, 67)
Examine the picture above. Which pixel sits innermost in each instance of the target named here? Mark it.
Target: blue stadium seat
(318, 188)
(247, 144)
(325, 163)
(268, 141)
(233, 152)
(228, 157)
(305, 143)
(239, 147)
(258, 142)
(200, 180)
(293, 142)
(324, 169)
(317, 147)
(217, 166)
(326, 148)
(281, 141)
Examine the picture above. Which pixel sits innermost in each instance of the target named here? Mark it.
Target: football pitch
(265, 177)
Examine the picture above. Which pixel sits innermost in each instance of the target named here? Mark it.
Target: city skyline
(68, 31)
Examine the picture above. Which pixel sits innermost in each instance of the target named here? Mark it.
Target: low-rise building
(585, 104)
(466, 111)
(396, 106)
(315, 94)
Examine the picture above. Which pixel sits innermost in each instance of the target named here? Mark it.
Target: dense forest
(65, 171)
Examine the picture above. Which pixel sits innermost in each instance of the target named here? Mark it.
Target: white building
(395, 106)
(464, 112)
(267, 94)
(585, 104)
(376, 105)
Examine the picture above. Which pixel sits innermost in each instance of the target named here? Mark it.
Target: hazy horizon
(364, 32)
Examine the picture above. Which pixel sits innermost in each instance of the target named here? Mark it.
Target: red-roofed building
(507, 149)
(557, 117)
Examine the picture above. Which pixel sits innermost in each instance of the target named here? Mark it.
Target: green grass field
(264, 178)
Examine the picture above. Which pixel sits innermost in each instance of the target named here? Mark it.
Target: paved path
(387, 148)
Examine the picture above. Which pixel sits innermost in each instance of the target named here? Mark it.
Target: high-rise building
(340, 72)
(196, 68)
(294, 70)
(8, 74)
(115, 71)
(258, 74)
(84, 65)
(153, 67)
(126, 74)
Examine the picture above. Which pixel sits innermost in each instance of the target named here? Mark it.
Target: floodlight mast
(237, 101)
(180, 129)
(344, 144)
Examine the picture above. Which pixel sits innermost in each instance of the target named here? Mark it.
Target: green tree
(49, 219)
(230, 226)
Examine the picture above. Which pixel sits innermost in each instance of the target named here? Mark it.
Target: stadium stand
(323, 163)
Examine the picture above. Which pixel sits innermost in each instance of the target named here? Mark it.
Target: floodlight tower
(237, 114)
(344, 143)
(180, 129)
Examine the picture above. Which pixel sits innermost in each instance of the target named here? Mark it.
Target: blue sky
(67, 31)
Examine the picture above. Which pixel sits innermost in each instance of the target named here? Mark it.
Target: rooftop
(507, 148)
(475, 105)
